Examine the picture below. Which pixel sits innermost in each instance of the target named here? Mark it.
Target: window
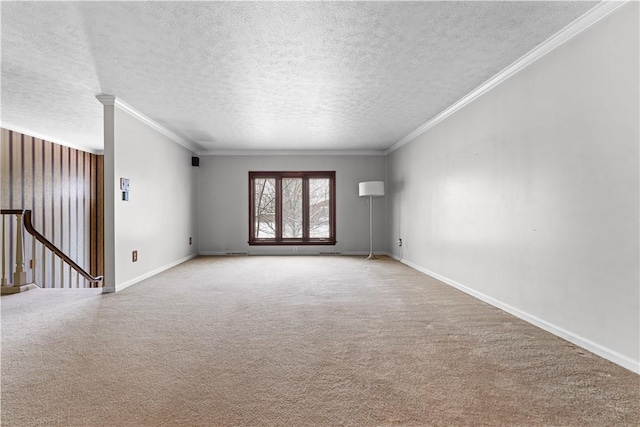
(292, 208)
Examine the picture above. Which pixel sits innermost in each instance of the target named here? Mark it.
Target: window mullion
(332, 207)
(278, 208)
(252, 208)
(305, 208)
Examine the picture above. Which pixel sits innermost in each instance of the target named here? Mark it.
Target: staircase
(32, 260)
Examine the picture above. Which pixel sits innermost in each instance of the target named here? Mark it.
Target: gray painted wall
(223, 210)
(528, 196)
(160, 215)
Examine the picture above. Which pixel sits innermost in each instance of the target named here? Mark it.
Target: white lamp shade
(372, 188)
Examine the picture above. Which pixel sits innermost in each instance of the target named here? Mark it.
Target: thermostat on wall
(124, 186)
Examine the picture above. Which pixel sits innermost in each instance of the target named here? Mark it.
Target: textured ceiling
(260, 76)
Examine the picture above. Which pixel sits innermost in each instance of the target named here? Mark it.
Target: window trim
(305, 240)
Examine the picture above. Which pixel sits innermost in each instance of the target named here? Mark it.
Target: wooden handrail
(39, 237)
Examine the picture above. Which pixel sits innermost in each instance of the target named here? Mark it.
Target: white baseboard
(595, 348)
(133, 281)
(299, 253)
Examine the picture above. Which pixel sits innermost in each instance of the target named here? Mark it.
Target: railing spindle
(53, 271)
(44, 266)
(33, 260)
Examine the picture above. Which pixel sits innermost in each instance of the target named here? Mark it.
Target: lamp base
(371, 256)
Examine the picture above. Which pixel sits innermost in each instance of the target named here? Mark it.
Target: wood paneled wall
(63, 188)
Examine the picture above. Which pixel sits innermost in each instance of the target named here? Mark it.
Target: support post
(19, 276)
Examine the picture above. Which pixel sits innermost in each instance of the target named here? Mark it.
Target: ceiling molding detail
(106, 99)
(291, 153)
(38, 135)
(594, 15)
(113, 100)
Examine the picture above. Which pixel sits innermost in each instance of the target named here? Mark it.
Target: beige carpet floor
(294, 341)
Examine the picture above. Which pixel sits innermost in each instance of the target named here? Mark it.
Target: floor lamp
(371, 189)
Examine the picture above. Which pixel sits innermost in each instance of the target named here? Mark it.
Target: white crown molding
(291, 153)
(106, 99)
(585, 21)
(38, 135)
(113, 100)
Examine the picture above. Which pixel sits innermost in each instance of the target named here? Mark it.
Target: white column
(110, 280)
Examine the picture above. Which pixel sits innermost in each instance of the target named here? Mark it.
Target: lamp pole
(371, 189)
(371, 256)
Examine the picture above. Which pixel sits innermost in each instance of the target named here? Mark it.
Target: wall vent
(330, 253)
(236, 253)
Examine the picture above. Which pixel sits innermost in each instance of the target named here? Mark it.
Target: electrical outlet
(190, 240)
(134, 256)
(399, 242)
(295, 249)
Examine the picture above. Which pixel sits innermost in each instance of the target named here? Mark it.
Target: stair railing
(48, 272)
